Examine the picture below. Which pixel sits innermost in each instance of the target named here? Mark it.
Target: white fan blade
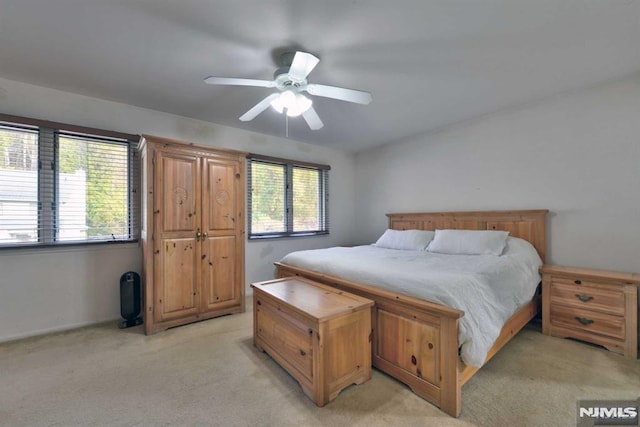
(212, 80)
(343, 94)
(302, 65)
(259, 108)
(312, 119)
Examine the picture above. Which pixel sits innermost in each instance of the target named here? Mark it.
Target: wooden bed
(416, 341)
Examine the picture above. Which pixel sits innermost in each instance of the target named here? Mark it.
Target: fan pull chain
(286, 125)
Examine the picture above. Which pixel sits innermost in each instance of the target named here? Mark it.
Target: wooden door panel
(180, 193)
(219, 272)
(177, 292)
(219, 195)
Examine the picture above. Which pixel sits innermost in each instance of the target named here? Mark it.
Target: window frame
(287, 192)
(48, 176)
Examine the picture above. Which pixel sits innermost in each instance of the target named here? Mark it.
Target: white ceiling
(427, 63)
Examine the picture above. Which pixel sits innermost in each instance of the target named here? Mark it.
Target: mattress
(488, 288)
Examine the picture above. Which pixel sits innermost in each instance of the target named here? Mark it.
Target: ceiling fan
(291, 81)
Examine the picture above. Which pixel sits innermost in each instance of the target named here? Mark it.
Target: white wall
(46, 290)
(577, 155)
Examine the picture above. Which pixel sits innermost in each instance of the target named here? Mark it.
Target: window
(64, 184)
(287, 198)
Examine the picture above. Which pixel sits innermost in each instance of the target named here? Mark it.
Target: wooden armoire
(192, 232)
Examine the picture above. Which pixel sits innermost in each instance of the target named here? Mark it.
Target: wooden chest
(591, 305)
(320, 335)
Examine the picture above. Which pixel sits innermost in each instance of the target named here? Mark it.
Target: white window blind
(18, 184)
(268, 197)
(92, 190)
(308, 187)
(286, 198)
(59, 186)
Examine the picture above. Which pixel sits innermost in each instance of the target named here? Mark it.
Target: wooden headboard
(528, 225)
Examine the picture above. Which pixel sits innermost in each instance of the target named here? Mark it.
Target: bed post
(450, 386)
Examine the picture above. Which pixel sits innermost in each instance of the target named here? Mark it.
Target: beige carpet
(210, 373)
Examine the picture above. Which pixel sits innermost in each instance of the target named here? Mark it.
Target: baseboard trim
(50, 331)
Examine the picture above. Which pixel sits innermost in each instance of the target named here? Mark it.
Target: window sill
(67, 247)
(287, 235)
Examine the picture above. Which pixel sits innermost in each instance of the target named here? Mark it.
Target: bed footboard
(413, 340)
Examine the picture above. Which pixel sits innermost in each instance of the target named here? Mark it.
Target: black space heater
(130, 300)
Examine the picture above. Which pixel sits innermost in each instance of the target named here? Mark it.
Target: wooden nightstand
(597, 306)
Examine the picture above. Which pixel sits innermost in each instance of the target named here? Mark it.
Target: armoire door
(176, 241)
(219, 259)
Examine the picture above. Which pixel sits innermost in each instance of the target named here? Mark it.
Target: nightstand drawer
(608, 299)
(587, 320)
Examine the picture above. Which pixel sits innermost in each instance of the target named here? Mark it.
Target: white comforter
(488, 288)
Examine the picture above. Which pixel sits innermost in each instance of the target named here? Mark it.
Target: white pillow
(469, 242)
(409, 240)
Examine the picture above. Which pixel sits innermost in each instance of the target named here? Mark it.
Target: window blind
(92, 188)
(19, 158)
(267, 209)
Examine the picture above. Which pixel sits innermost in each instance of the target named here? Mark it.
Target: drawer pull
(310, 331)
(578, 282)
(303, 353)
(584, 298)
(584, 320)
(258, 302)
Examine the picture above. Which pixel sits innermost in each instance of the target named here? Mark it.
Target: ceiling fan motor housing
(284, 81)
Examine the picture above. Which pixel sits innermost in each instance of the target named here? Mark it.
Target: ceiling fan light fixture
(278, 105)
(294, 103)
(301, 104)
